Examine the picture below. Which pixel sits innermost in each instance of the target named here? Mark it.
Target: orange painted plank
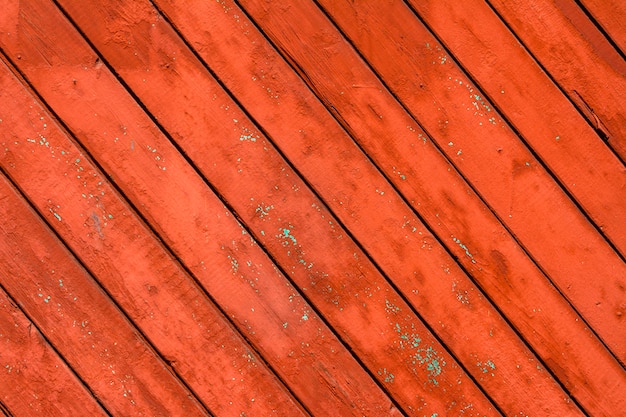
(578, 56)
(582, 162)
(610, 15)
(517, 188)
(251, 82)
(261, 301)
(527, 294)
(77, 318)
(148, 284)
(299, 233)
(34, 380)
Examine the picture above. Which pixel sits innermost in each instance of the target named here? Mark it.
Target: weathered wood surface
(36, 381)
(515, 186)
(311, 229)
(576, 54)
(610, 15)
(80, 321)
(128, 261)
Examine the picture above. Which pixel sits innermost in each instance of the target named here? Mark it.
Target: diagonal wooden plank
(234, 59)
(535, 106)
(497, 258)
(204, 235)
(611, 15)
(520, 193)
(143, 278)
(34, 380)
(578, 56)
(79, 320)
(301, 234)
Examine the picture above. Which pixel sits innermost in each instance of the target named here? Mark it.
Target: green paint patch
(487, 367)
(263, 210)
(390, 307)
(287, 235)
(389, 377)
(467, 252)
(424, 355)
(233, 263)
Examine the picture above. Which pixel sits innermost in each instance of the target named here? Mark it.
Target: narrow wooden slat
(34, 380)
(437, 193)
(251, 291)
(79, 320)
(299, 232)
(611, 16)
(578, 56)
(515, 186)
(141, 276)
(235, 60)
(536, 107)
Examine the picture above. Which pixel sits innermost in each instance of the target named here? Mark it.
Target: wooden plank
(610, 15)
(205, 236)
(516, 187)
(239, 74)
(579, 58)
(581, 161)
(429, 184)
(142, 277)
(79, 320)
(301, 234)
(34, 380)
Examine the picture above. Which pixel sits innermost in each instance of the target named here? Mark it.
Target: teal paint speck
(467, 252)
(287, 235)
(57, 216)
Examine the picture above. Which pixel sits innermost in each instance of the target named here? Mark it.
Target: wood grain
(610, 15)
(93, 336)
(578, 57)
(145, 281)
(312, 207)
(517, 188)
(35, 381)
(249, 83)
(364, 325)
(325, 70)
(535, 106)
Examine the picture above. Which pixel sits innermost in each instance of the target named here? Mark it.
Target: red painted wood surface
(578, 57)
(610, 15)
(223, 364)
(282, 208)
(533, 207)
(35, 379)
(98, 342)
